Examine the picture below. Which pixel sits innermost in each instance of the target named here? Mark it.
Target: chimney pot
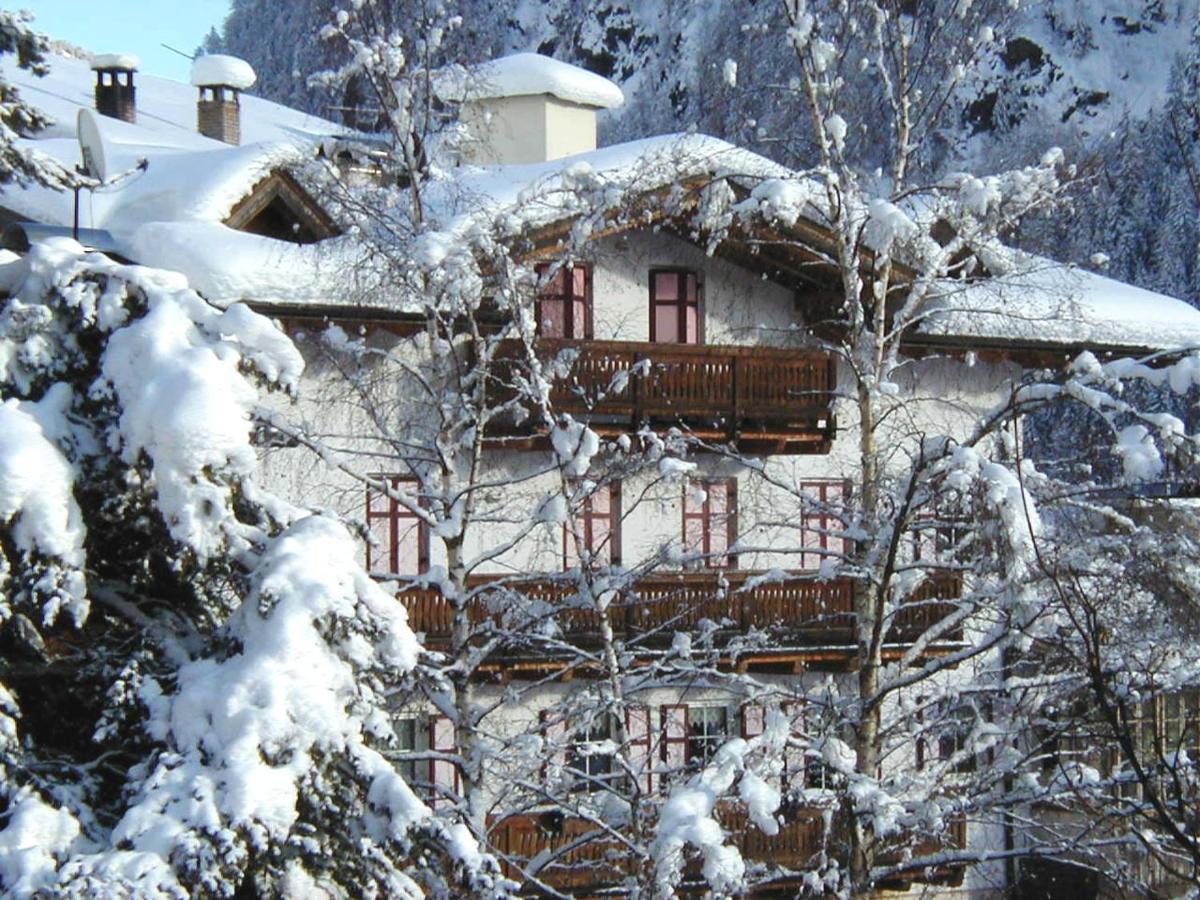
(116, 95)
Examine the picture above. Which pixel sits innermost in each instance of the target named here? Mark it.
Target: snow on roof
(226, 265)
(170, 215)
(1042, 302)
(189, 178)
(115, 61)
(528, 196)
(523, 74)
(219, 69)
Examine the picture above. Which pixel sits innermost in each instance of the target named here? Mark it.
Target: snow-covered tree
(196, 675)
(17, 117)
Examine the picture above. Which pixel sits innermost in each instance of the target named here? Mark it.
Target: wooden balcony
(796, 611)
(573, 854)
(763, 399)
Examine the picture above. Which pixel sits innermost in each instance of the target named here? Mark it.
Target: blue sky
(139, 27)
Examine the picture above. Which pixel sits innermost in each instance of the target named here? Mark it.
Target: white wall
(527, 129)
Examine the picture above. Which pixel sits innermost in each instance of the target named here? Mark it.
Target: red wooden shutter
(754, 720)
(443, 774)
(637, 730)
(674, 737)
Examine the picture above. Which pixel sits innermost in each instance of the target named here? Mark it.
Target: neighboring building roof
(172, 214)
(524, 74)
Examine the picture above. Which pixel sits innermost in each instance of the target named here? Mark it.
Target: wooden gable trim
(282, 185)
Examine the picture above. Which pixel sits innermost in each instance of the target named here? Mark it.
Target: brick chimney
(220, 79)
(115, 93)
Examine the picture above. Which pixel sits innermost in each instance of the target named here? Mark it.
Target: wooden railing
(794, 609)
(567, 853)
(742, 392)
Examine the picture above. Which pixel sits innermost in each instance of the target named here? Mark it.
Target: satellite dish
(91, 144)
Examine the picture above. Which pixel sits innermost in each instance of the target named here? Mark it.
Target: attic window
(278, 208)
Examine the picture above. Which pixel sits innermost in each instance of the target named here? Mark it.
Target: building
(714, 571)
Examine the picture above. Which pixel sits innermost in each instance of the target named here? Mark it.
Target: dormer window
(564, 309)
(675, 307)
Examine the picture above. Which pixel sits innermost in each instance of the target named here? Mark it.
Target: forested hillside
(1114, 83)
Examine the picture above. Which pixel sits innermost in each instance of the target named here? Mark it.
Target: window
(675, 307)
(710, 521)
(436, 780)
(820, 522)
(599, 521)
(564, 309)
(692, 735)
(401, 539)
(593, 769)
(935, 538)
(412, 736)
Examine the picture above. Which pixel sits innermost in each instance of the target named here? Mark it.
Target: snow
(115, 61)
(179, 375)
(189, 178)
(219, 69)
(575, 445)
(523, 74)
(30, 844)
(36, 484)
(244, 729)
(1042, 302)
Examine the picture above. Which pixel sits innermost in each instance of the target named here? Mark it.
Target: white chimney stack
(528, 108)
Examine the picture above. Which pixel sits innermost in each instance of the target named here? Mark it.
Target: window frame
(566, 273)
(727, 560)
(395, 514)
(820, 524)
(592, 772)
(681, 303)
(587, 517)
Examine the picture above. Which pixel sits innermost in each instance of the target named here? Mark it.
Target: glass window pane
(666, 324)
(666, 286)
(408, 546)
(552, 321)
(579, 278)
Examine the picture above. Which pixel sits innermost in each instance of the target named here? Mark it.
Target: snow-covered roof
(524, 74)
(219, 69)
(115, 61)
(191, 182)
(529, 196)
(1043, 303)
(171, 214)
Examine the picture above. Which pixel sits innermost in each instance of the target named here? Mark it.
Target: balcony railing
(796, 610)
(568, 853)
(781, 398)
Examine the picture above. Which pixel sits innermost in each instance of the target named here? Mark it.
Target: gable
(278, 207)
